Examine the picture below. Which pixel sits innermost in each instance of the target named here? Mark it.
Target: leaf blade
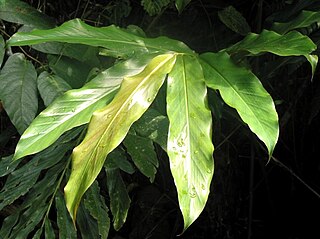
(75, 108)
(190, 123)
(242, 90)
(109, 126)
(18, 91)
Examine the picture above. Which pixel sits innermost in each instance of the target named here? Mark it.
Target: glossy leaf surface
(109, 126)
(181, 4)
(242, 90)
(189, 141)
(18, 91)
(118, 42)
(75, 108)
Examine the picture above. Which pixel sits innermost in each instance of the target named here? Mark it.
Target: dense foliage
(101, 108)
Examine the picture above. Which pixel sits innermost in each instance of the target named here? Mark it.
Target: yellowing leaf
(189, 147)
(109, 126)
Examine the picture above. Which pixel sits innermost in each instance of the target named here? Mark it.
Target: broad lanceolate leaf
(109, 126)
(18, 91)
(20, 12)
(242, 90)
(75, 107)
(304, 19)
(119, 42)
(96, 205)
(51, 86)
(290, 44)
(189, 147)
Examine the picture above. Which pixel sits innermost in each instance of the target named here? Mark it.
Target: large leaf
(304, 19)
(75, 108)
(20, 12)
(189, 141)
(51, 86)
(18, 91)
(109, 126)
(290, 44)
(118, 42)
(242, 90)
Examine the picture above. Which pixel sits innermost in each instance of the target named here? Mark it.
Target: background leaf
(119, 198)
(143, 154)
(109, 126)
(18, 91)
(154, 7)
(20, 12)
(242, 90)
(75, 107)
(2, 50)
(181, 4)
(189, 141)
(51, 86)
(154, 126)
(234, 20)
(65, 225)
(95, 204)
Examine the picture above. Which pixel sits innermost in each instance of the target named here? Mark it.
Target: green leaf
(181, 4)
(109, 126)
(304, 19)
(2, 49)
(117, 159)
(118, 42)
(20, 12)
(313, 60)
(65, 225)
(119, 198)
(18, 91)
(7, 165)
(48, 230)
(143, 155)
(51, 86)
(242, 90)
(234, 20)
(290, 44)
(154, 7)
(189, 141)
(95, 204)
(86, 224)
(75, 107)
(154, 126)
(74, 72)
